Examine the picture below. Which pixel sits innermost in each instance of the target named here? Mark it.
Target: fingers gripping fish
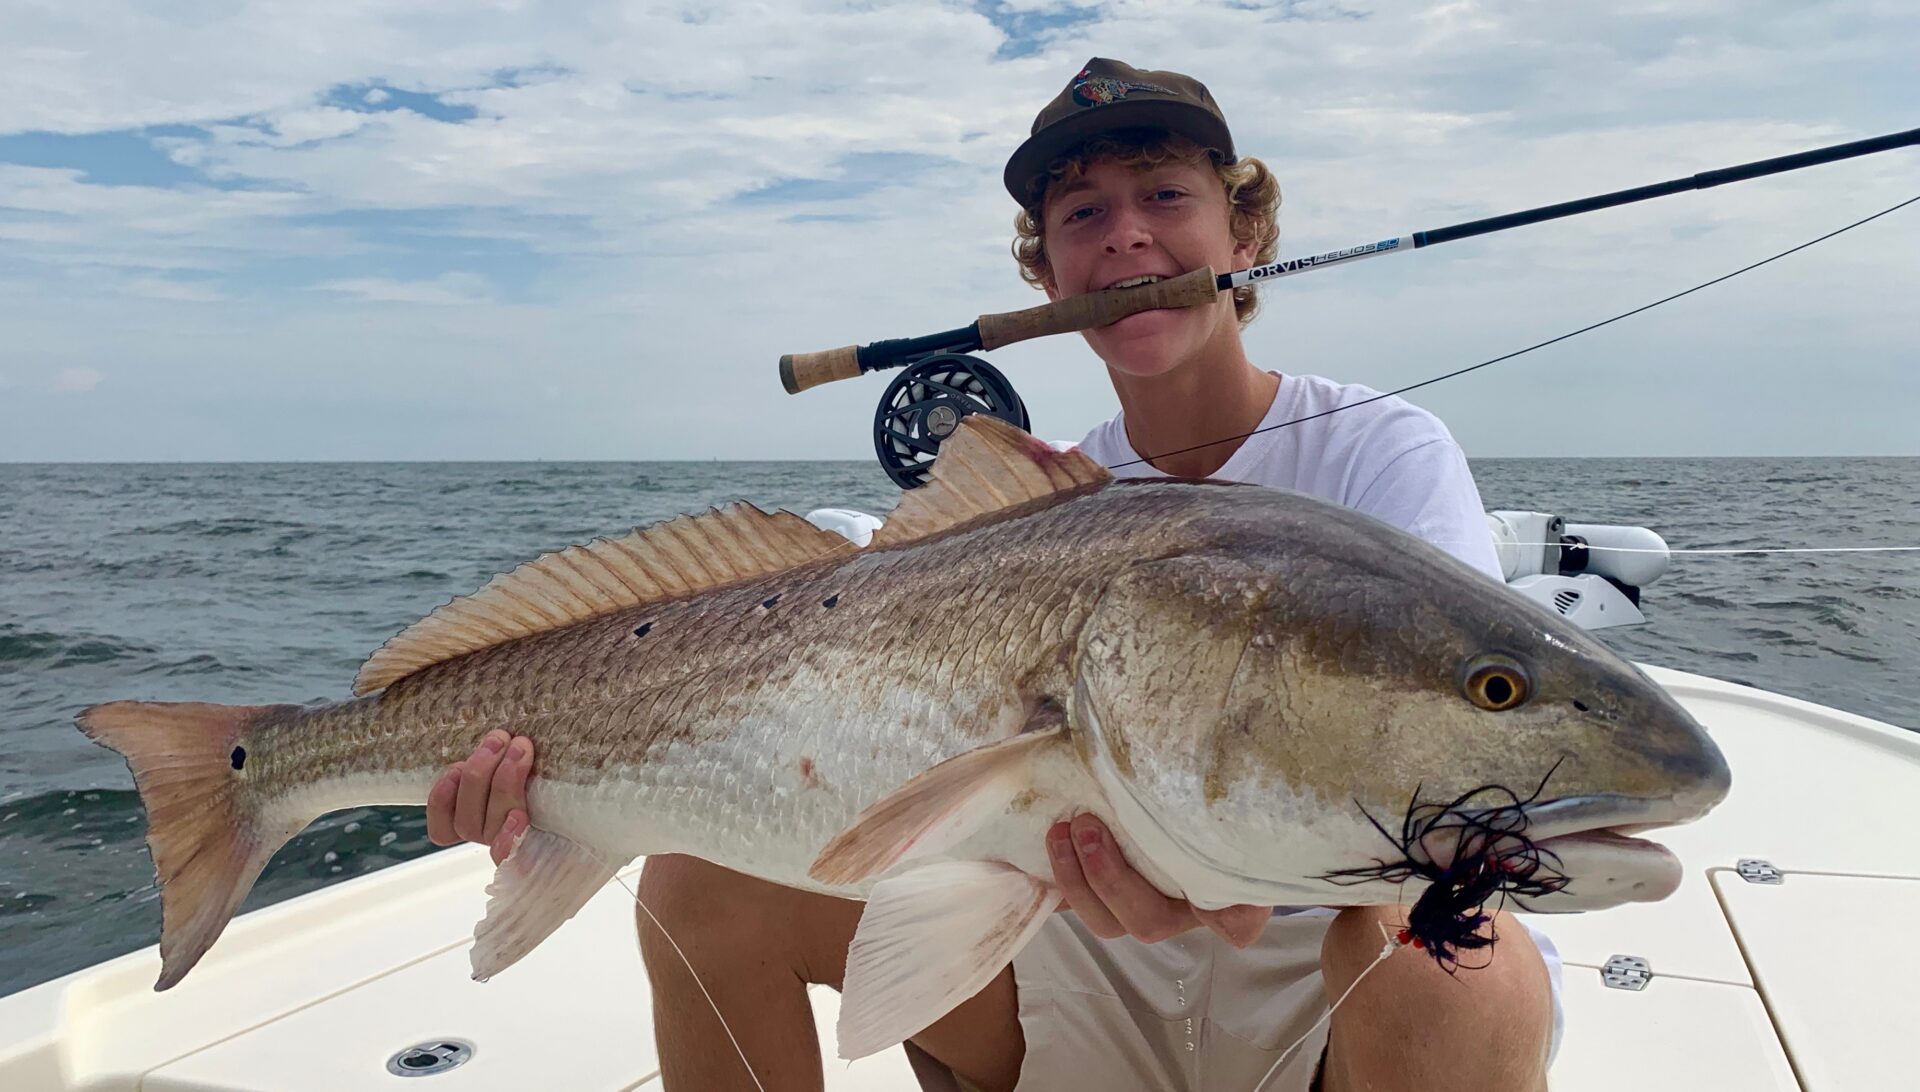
(1236, 679)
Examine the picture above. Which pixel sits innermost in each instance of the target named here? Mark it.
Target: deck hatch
(1831, 962)
(430, 1058)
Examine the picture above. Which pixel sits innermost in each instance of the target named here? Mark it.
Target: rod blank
(1703, 180)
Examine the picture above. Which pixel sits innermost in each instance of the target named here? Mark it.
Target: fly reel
(927, 401)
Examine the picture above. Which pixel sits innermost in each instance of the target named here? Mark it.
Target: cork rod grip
(799, 371)
(1096, 308)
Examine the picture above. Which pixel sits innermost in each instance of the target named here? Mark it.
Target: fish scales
(873, 690)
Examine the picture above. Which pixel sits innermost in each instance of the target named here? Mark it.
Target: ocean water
(254, 583)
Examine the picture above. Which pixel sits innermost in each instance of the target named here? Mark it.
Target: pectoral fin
(928, 940)
(938, 808)
(545, 881)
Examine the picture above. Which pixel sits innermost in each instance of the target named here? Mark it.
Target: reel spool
(926, 402)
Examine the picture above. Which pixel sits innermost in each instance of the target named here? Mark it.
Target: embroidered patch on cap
(1090, 90)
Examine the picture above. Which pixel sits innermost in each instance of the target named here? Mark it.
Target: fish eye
(1495, 683)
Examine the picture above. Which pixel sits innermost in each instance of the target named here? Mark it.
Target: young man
(1128, 174)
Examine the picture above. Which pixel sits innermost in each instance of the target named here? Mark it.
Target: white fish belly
(764, 799)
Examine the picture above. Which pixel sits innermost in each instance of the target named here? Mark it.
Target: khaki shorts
(1186, 1015)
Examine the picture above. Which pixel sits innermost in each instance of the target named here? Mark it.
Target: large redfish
(1239, 681)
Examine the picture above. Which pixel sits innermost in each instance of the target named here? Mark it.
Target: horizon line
(715, 459)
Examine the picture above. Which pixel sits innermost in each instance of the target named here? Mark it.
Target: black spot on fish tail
(830, 601)
(239, 757)
(642, 628)
(768, 603)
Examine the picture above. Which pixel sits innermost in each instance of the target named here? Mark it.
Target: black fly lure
(1492, 858)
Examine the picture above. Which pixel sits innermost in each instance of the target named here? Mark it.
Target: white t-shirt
(1388, 458)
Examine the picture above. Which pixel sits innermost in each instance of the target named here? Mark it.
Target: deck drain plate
(431, 1057)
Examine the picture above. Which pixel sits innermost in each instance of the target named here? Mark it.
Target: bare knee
(1483, 1029)
(684, 891)
(739, 921)
(703, 906)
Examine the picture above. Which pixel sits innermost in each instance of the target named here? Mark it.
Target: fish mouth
(1620, 816)
(1585, 849)
(1604, 868)
(1565, 823)
(1594, 843)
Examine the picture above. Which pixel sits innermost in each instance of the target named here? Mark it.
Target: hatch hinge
(1626, 972)
(1755, 870)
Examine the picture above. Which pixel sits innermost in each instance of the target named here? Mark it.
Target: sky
(455, 229)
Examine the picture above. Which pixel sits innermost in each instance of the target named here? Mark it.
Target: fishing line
(1530, 348)
(696, 981)
(1775, 550)
(1393, 943)
(1590, 548)
(1491, 857)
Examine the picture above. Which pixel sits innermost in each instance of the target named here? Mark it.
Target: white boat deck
(1803, 985)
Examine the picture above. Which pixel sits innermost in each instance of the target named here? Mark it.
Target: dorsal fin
(664, 561)
(986, 465)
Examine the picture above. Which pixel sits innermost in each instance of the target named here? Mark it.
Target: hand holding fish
(1114, 900)
(483, 798)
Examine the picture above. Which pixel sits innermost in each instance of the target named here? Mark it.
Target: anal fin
(545, 881)
(929, 939)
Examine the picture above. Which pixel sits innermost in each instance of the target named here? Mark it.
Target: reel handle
(800, 371)
(1092, 309)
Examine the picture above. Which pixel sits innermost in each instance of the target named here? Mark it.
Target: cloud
(1030, 25)
(75, 380)
(295, 127)
(453, 288)
(622, 216)
(162, 289)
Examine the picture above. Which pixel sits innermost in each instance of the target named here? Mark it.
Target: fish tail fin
(204, 828)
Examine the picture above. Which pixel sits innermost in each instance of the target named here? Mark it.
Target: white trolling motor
(1590, 573)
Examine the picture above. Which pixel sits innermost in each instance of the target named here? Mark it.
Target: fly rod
(800, 371)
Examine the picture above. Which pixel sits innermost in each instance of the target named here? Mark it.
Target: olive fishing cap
(1108, 95)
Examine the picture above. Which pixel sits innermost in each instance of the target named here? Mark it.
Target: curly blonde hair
(1252, 192)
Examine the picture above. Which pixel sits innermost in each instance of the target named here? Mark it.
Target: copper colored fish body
(1238, 680)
